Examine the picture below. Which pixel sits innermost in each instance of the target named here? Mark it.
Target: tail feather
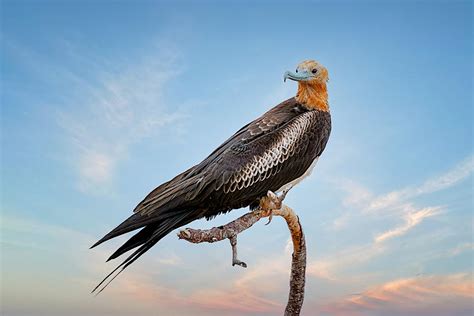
(157, 234)
(134, 222)
(136, 240)
(134, 256)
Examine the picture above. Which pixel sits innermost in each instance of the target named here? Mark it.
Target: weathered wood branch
(269, 206)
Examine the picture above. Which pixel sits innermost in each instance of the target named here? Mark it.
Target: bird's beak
(299, 76)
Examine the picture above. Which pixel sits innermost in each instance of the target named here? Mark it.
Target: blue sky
(101, 102)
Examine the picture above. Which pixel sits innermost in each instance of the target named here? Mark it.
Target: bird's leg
(235, 261)
(271, 202)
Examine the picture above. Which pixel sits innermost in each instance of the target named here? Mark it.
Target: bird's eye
(296, 70)
(314, 71)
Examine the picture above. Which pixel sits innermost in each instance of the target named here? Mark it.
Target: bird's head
(311, 77)
(308, 71)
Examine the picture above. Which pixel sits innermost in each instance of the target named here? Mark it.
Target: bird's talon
(272, 195)
(270, 217)
(184, 234)
(239, 263)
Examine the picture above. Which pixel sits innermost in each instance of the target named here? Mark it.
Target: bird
(272, 153)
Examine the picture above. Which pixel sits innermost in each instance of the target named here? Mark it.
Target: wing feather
(216, 170)
(267, 153)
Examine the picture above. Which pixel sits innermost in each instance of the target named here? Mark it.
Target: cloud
(450, 178)
(115, 110)
(393, 199)
(400, 200)
(333, 266)
(366, 207)
(412, 218)
(364, 200)
(431, 295)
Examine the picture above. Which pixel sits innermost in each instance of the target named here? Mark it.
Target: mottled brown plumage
(265, 155)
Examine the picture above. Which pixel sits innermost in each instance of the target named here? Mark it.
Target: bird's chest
(312, 144)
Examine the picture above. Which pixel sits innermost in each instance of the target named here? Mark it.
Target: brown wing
(190, 189)
(246, 171)
(179, 194)
(264, 155)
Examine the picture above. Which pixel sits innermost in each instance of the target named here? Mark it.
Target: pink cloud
(433, 295)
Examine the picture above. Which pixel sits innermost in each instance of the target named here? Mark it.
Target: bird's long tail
(147, 238)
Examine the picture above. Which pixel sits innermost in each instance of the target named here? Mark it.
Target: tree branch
(269, 206)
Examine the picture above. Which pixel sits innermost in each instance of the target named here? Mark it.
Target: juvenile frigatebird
(272, 153)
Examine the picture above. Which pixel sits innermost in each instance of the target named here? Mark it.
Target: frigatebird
(272, 153)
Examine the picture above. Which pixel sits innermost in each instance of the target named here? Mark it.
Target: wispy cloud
(431, 295)
(450, 178)
(399, 205)
(400, 202)
(412, 218)
(363, 199)
(117, 110)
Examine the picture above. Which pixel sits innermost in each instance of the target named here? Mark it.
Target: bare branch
(298, 262)
(222, 232)
(269, 206)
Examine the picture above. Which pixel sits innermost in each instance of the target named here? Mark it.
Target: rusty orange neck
(314, 95)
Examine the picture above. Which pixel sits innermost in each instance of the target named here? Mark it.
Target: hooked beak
(300, 76)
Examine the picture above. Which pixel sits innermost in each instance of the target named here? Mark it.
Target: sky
(103, 101)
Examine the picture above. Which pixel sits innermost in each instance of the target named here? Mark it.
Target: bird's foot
(271, 202)
(235, 261)
(269, 214)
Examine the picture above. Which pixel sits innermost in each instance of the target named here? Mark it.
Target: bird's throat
(313, 95)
